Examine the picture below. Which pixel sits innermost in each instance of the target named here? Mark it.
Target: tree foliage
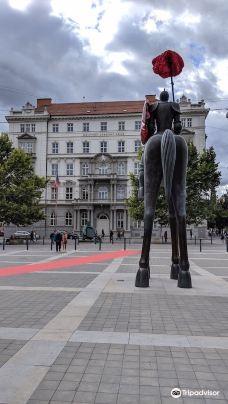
(202, 179)
(20, 188)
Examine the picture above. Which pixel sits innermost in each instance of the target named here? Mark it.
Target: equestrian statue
(165, 158)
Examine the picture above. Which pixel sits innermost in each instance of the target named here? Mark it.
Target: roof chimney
(43, 102)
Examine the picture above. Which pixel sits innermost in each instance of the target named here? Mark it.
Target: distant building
(92, 146)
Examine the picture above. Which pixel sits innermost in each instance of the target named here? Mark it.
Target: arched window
(68, 219)
(85, 169)
(103, 193)
(53, 219)
(84, 218)
(121, 168)
(103, 169)
(120, 192)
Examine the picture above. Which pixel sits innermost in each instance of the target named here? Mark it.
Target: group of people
(60, 240)
(120, 234)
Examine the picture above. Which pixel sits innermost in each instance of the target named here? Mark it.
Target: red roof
(93, 108)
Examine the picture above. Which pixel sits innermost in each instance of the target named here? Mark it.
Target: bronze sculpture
(165, 157)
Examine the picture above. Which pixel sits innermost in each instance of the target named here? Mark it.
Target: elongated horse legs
(152, 181)
(175, 267)
(179, 200)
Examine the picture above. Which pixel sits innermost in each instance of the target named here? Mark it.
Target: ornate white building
(93, 148)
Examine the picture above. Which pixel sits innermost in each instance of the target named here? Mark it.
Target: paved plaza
(74, 329)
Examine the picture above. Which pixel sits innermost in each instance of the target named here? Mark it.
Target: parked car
(23, 234)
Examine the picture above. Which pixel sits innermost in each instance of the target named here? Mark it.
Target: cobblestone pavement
(85, 335)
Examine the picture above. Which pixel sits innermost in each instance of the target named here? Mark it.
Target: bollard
(43, 240)
(211, 239)
(3, 243)
(51, 244)
(75, 243)
(195, 240)
(27, 243)
(99, 244)
(124, 243)
(200, 245)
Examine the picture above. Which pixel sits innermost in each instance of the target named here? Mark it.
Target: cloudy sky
(100, 50)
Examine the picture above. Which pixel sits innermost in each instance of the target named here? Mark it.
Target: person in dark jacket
(58, 241)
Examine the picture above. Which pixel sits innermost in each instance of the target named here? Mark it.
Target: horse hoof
(175, 269)
(184, 280)
(142, 278)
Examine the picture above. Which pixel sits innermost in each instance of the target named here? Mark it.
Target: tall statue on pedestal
(165, 157)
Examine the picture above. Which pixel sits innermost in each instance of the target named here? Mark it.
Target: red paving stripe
(65, 263)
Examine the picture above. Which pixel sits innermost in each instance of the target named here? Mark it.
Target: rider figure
(161, 115)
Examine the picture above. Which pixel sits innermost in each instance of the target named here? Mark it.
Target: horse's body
(165, 156)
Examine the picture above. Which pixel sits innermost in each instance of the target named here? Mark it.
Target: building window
(26, 146)
(189, 122)
(27, 127)
(69, 169)
(120, 192)
(103, 146)
(70, 127)
(85, 194)
(85, 147)
(70, 147)
(121, 125)
(55, 148)
(121, 168)
(22, 127)
(53, 219)
(85, 169)
(69, 193)
(103, 193)
(103, 126)
(33, 127)
(85, 126)
(55, 127)
(84, 218)
(136, 168)
(137, 145)
(137, 125)
(183, 122)
(121, 146)
(103, 169)
(68, 219)
(120, 220)
(54, 193)
(54, 169)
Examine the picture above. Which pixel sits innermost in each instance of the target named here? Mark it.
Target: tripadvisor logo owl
(176, 392)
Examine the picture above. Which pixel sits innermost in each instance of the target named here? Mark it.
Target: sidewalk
(82, 333)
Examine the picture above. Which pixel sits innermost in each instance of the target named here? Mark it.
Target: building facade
(92, 147)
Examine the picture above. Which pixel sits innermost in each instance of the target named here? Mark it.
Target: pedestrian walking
(111, 236)
(165, 236)
(118, 235)
(191, 233)
(64, 241)
(58, 241)
(32, 236)
(102, 233)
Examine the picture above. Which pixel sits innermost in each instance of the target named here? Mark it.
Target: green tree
(220, 218)
(20, 188)
(202, 179)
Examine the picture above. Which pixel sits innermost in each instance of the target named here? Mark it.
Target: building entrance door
(103, 223)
